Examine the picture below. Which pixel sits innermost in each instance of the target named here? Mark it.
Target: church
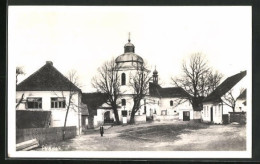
(160, 104)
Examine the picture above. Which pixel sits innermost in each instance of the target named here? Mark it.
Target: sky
(82, 38)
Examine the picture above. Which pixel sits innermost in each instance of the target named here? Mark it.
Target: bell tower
(129, 47)
(155, 76)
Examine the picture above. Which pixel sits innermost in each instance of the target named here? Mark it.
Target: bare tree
(198, 79)
(19, 71)
(108, 82)
(140, 84)
(230, 100)
(73, 88)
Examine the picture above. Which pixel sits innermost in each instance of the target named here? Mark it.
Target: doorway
(107, 117)
(211, 114)
(186, 116)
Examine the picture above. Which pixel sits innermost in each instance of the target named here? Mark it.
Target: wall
(166, 118)
(183, 110)
(58, 114)
(140, 119)
(240, 107)
(206, 112)
(45, 135)
(238, 117)
(32, 119)
(171, 110)
(218, 111)
(217, 114)
(197, 115)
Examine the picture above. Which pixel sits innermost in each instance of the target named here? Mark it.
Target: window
(34, 103)
(58, 102)
(124, 113)
(123, 79)
(171, 103)
(123, 102)
(158, 102)
(139, 113)
(145, 109)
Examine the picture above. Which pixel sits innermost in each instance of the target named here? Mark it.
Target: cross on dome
(129, 40)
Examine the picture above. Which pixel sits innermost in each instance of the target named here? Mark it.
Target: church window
(123, 102)
(171, 103)
(123, 79)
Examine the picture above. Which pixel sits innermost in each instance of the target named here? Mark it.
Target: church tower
(155, 76)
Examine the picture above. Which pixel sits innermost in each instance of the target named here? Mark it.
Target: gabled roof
(94, 100)
(84, 110)
(224, 87)
(170, 92)
(47, 78)
(154, 89)
(242, 96)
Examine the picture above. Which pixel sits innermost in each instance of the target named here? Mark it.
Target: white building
(48, 90)
(216, 108)
(159, 104)
(241, 102)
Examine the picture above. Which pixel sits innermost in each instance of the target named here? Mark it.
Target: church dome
(129, 55)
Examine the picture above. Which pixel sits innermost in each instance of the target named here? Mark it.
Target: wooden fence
(45, 135)
(239, 117)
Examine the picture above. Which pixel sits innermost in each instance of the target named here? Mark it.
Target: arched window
(123, 102)
(123, 79)
(171, 103)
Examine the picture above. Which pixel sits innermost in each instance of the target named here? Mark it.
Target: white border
(123, 154)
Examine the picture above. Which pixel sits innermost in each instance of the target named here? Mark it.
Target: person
(101, 130)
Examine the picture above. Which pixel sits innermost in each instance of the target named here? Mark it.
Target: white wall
(58, 115)
(185, 110)
(217, 112)
(171, 110)
(240, 107)
(206, 112)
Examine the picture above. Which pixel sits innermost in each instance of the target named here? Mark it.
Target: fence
(32, 119)
(239, 117)
(45, 135)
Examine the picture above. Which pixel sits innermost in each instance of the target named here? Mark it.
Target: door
(186, 116)
(107, 117)
(211, 114)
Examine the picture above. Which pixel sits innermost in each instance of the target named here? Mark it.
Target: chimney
(49, 62)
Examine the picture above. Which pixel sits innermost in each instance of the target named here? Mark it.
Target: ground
(177, 136)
